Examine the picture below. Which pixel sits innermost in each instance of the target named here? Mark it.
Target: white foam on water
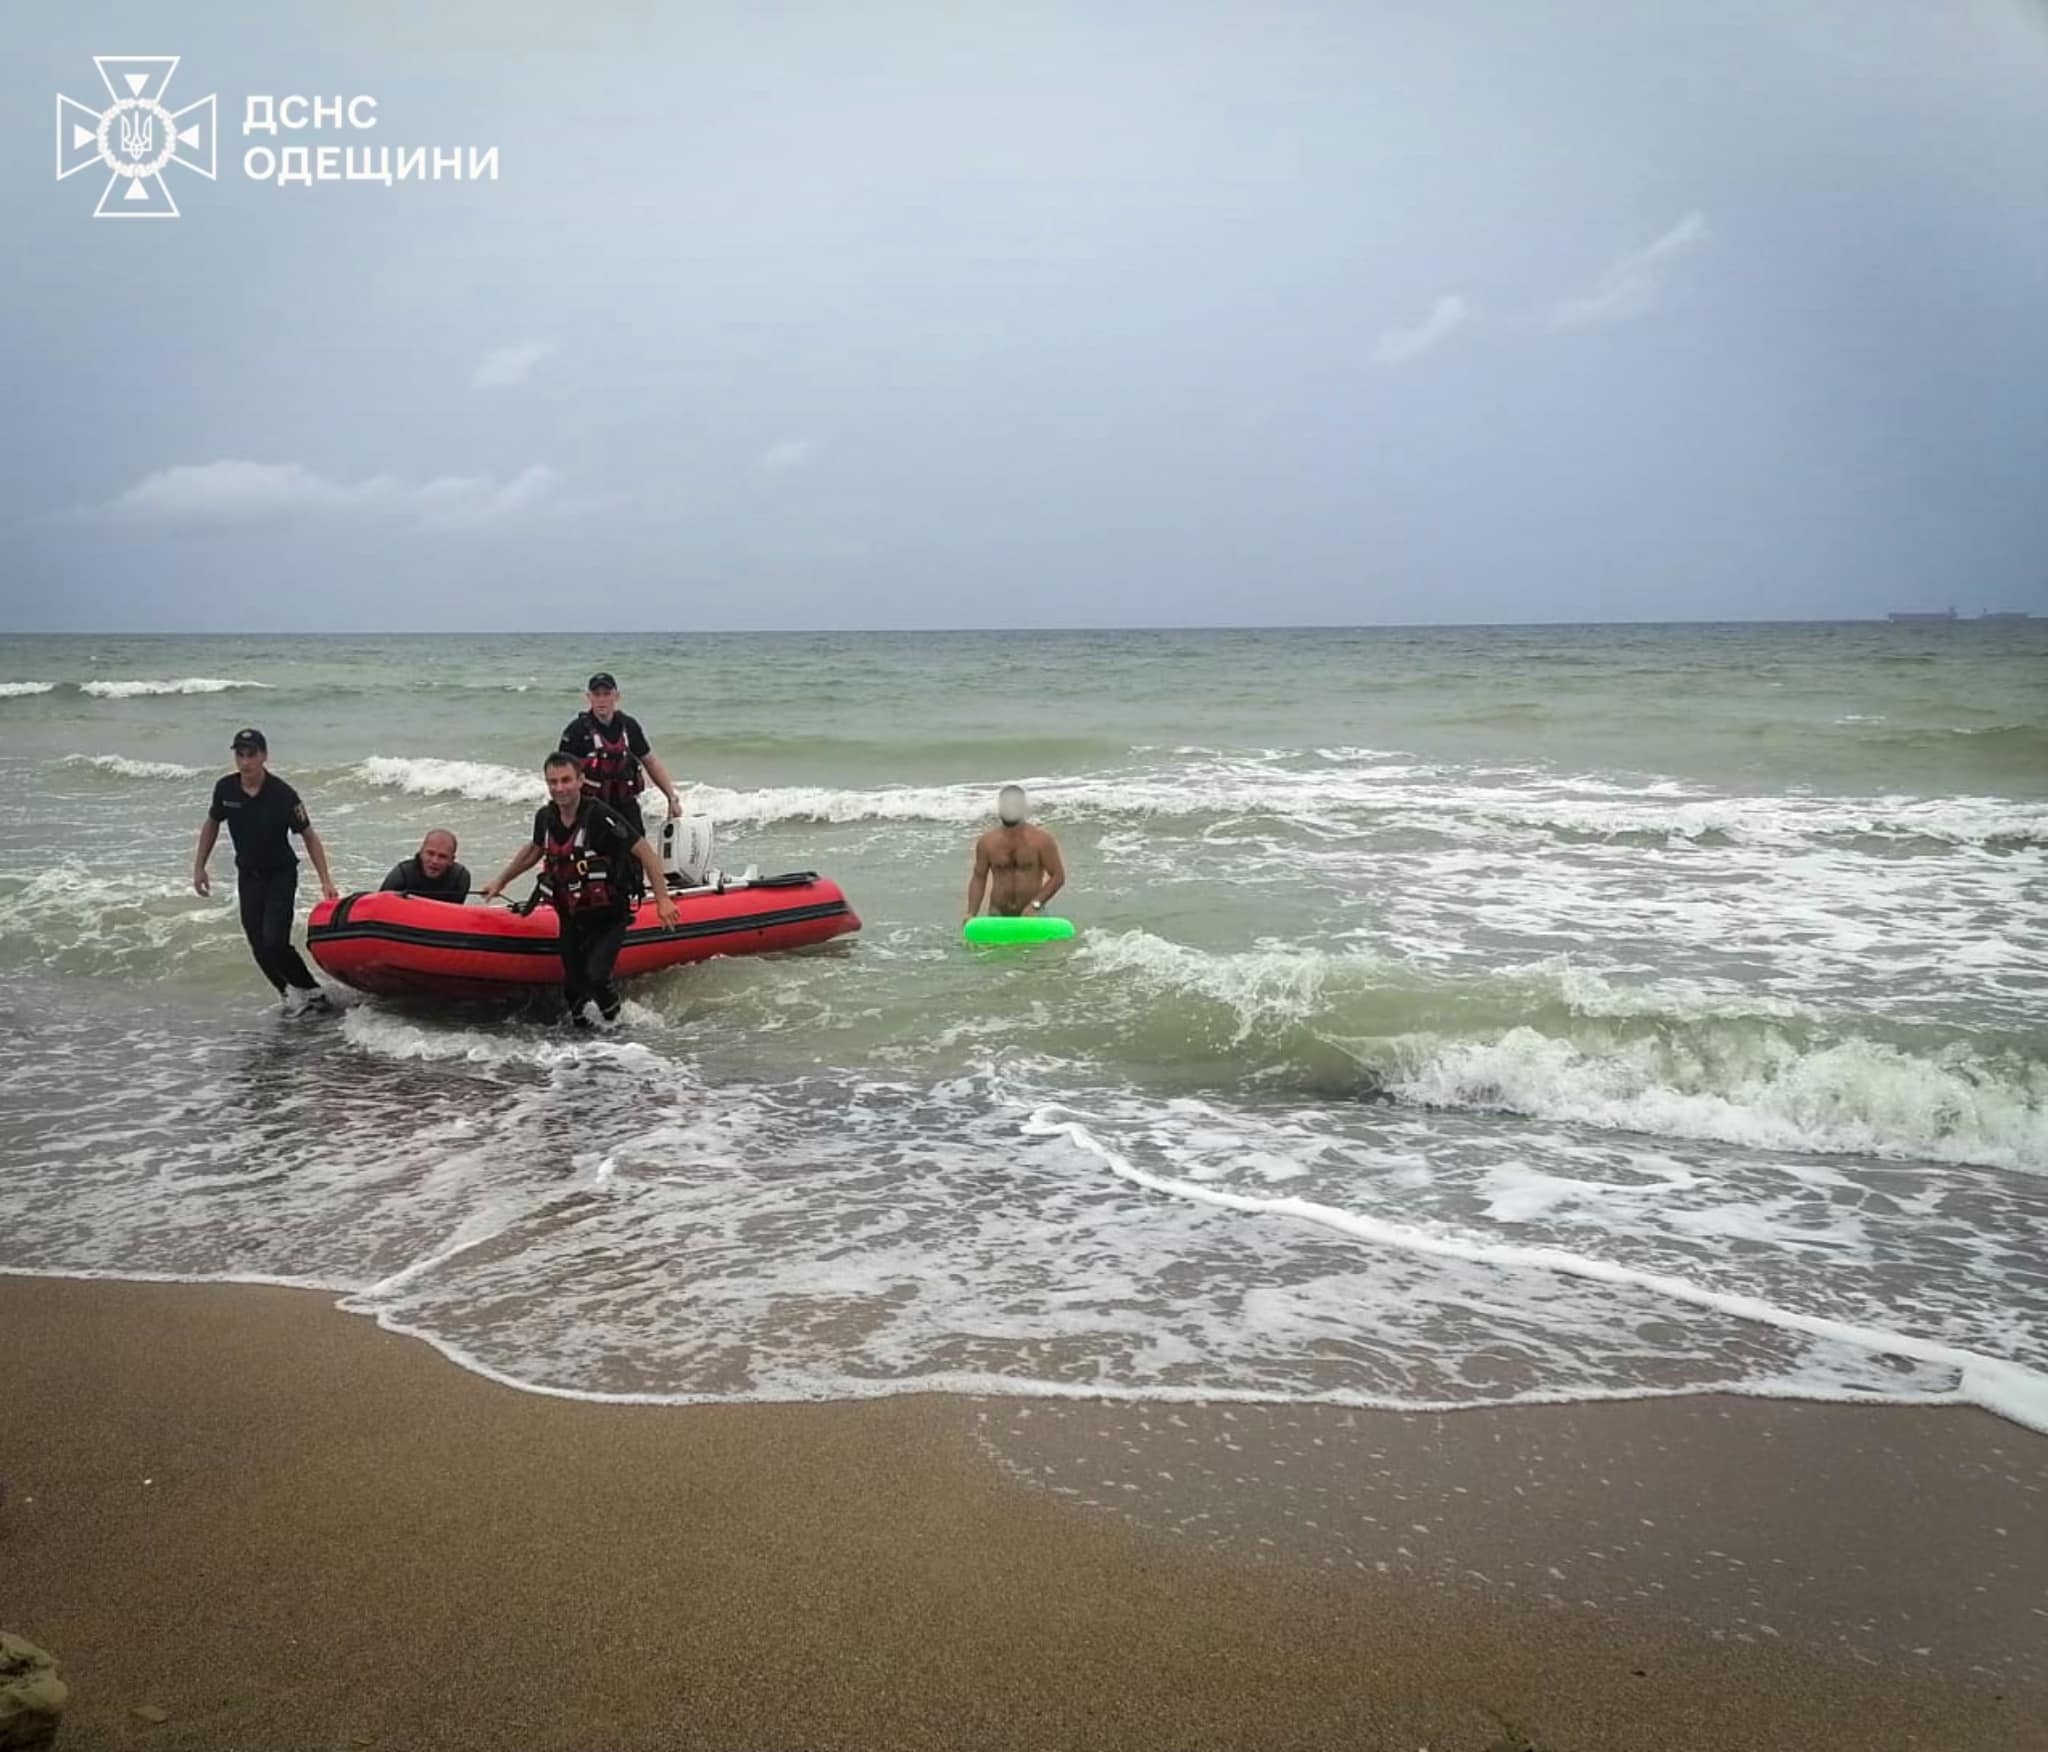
(15, 690)
(104, 916)
(1519, 1194)
(1994, 1383)
(827, 1385)
(1506, 818)
(480, 781)
(592, 1219)
(121, 767)
(1723, 1066)
(190, 684)
(1333, 804)
(1767, 1223)
(390, 1037)
(1824, 927)
(1273, 985)
(1588, 993)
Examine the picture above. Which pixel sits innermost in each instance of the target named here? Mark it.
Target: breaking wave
(1389, 791)
(480, 781)
(119, 766)
(190, 684)
(1571, 1048)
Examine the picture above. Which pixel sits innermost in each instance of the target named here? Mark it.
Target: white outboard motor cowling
(686, 850)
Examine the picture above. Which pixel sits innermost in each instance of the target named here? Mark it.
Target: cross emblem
(135, 137)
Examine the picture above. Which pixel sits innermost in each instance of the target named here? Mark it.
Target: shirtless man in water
(1017, 864)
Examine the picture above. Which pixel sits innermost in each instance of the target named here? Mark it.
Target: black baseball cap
(604, 682)
(249, 741)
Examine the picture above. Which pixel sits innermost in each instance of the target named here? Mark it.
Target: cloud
(1630, 287)
(228, 493)
(1398, 347)
(510, 365)
(244, 492)
(457, 500)
(791, 453)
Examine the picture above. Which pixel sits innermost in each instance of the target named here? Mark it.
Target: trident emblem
(135, 137)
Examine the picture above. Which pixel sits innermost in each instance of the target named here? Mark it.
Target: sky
(892, 315)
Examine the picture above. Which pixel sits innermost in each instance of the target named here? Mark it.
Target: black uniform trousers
(591, 940)
(267, 899)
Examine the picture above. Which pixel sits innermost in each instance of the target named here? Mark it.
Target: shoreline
(344, 1540)
(1028, 1390)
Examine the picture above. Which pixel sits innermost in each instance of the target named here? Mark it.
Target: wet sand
(283, 1528)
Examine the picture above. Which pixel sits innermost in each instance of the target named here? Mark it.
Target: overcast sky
(968, 315)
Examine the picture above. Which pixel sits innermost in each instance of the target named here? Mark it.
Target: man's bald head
(437, 851)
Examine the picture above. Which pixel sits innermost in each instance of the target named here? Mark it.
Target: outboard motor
(686, 847)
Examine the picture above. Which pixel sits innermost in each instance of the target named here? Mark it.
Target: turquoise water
(1457, 1015)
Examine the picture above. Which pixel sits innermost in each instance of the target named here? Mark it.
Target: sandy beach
(281, 1527)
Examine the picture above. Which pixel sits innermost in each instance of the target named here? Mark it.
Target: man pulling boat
(588, 849)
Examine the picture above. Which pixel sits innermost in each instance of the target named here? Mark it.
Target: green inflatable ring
(1036, 929)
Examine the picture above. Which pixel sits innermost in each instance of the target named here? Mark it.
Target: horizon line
(215, 632)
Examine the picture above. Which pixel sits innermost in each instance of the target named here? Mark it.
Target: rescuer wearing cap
(262, 812)
(610, 749)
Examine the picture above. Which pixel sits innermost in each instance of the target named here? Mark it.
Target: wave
(1334, 800)
(121, 767)
(479, 781)
(84, 919)
(15, 690)
(1351, 804)
(1856, 1097)
(190, 684)
(1565, 1046)
(1773, 821)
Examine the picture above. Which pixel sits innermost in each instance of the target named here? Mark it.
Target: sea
(1457, 1017)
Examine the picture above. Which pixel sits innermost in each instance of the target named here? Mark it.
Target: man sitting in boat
(431, 872)
(587, 848)
(1017, 864)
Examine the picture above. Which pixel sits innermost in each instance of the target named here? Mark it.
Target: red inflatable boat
(398, 943)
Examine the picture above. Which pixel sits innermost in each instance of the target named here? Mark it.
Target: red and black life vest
(579, 879)
(611, 771)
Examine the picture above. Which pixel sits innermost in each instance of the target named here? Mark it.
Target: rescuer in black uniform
(262, 811)
(587, 849)
(611, 749)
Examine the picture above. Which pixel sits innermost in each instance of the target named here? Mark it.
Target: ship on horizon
(1923, 615)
